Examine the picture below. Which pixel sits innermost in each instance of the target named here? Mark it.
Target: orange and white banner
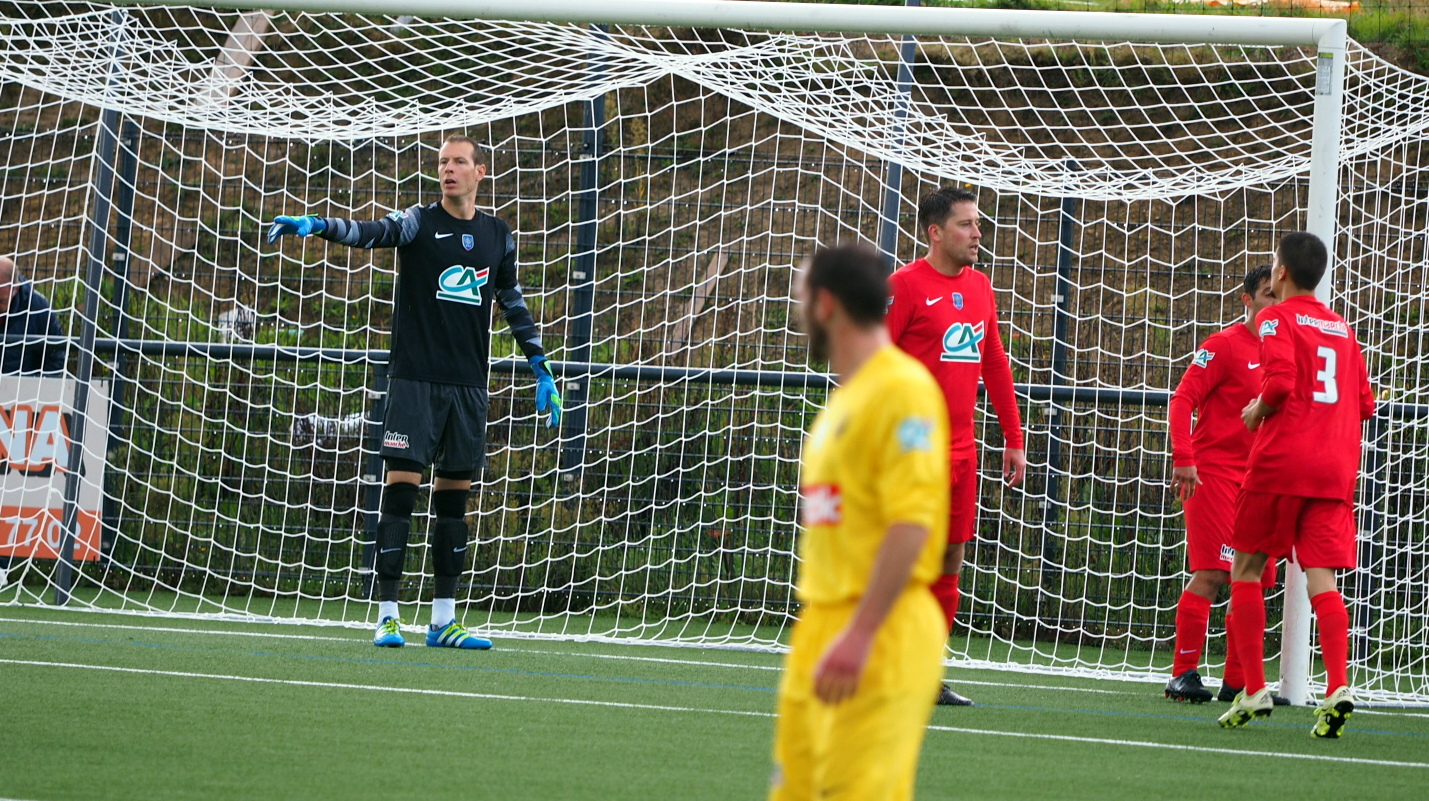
(37, 425)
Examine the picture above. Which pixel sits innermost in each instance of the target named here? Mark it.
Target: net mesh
(662, 183)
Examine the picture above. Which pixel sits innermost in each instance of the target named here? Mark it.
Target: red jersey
(950, 325)
(1314, 375)
(1223, 377)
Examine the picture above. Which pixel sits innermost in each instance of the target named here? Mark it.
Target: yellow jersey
(876, 455)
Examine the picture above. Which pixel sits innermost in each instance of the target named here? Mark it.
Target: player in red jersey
(943, 313)
(1299, 489)
(1209, 465)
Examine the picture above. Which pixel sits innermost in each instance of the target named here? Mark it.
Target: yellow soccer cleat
(1245, 708)
(1331, 716)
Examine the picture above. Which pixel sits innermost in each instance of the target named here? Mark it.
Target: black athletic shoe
(946, 697)
(1228, 693)
(1188, 687)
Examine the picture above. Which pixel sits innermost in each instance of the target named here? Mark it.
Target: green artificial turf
(543, 719)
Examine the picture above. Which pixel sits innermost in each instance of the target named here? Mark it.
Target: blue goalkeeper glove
(298, 226)
(547, 398)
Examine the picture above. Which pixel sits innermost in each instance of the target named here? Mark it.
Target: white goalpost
(664, 164)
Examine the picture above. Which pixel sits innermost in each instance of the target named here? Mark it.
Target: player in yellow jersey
(854, 700)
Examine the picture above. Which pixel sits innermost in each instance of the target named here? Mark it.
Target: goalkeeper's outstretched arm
(394, 230)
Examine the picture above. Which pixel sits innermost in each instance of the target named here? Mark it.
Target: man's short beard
(818, 342)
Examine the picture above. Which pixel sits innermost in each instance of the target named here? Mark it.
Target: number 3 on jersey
(1329, 391)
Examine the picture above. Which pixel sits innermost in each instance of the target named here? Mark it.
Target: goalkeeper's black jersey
(449, 273)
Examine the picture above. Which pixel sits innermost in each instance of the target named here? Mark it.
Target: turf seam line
(663, 660)
(379, 688)
(1366, 709)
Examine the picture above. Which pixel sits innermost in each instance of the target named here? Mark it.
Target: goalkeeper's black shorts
(441, 425)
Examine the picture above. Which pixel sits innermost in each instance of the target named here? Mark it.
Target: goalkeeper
(453, 261)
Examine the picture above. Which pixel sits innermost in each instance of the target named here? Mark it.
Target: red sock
(1192, 613)
(1333, 620)
(1248, 604)
(945, 589)
(1234, 676)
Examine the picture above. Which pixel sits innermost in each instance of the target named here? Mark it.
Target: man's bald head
(8, 281)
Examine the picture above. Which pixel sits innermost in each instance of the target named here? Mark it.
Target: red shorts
(1210, 519)
(1320, 532)
(962, 509)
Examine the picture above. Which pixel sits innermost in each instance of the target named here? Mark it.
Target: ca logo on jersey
(1202, 358)
(462, 284)
(961, 343)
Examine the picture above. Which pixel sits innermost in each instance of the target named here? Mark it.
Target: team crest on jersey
(462, 284)
(958, 299)
(1202, 358)
(468, 241)
(823, 505)
(1267, 328)
(962, 343)
(915, 434)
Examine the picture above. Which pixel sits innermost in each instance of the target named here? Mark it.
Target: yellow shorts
(866, 747)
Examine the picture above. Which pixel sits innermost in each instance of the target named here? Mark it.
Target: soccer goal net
(663, 182)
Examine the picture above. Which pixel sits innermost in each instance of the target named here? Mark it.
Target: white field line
(619, 657)
(417, 644)
(123, 627)
(1174, 747)
(739, 713)
(379, 688)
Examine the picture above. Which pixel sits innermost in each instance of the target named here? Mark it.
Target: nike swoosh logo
(389, 550)
(931, 301)
(1252, 365)
(1192, 651)
(442, 236)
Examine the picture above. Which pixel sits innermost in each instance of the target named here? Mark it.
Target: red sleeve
(997, 377)
(1200, 377)
(900, 311)
(1367, 403)
(1277, 359)
(1179, 416)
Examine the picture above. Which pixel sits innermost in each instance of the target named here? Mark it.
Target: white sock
(386, 609)
(443, 611)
